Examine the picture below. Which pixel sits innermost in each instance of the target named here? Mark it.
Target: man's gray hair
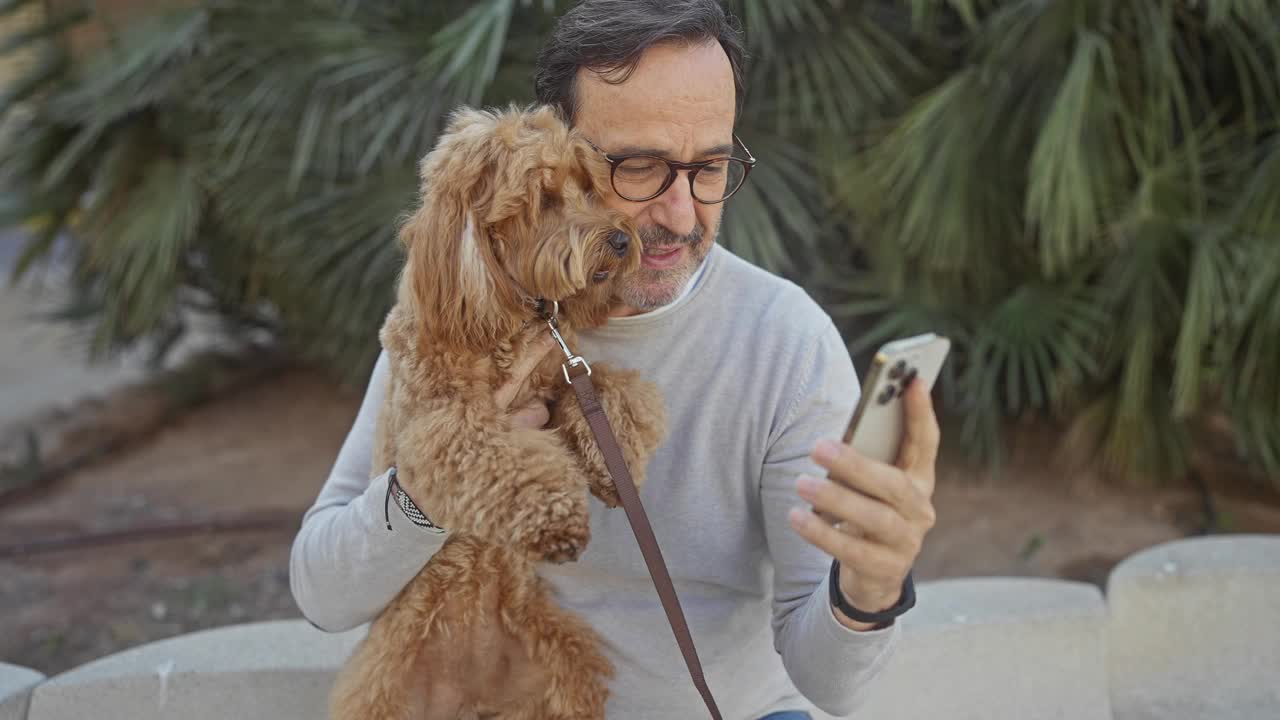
(608, 37)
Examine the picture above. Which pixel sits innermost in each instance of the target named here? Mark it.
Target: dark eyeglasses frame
(674, 168)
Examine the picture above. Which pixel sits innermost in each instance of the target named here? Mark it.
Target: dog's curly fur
(509, 212)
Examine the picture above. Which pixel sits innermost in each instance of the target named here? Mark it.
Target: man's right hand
(536, 414)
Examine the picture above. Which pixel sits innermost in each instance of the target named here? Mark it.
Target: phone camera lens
(898, 368)
(906, 381)
(886, 395)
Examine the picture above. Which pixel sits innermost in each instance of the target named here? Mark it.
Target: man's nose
(675, 208)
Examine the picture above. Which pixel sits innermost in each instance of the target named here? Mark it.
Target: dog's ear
(590, 168)
(529, 168)
(461, 294)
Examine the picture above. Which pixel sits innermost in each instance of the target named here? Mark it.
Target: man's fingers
(855, 509)
(853, 469)
(920, 443)
(866, 555)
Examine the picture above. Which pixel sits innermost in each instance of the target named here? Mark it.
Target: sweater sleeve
(346, 565)
(828, 663)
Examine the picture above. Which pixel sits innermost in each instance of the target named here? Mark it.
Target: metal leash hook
(571, 360)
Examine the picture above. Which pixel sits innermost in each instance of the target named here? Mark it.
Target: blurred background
(199, 202)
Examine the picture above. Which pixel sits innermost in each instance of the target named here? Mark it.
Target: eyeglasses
(644, 177)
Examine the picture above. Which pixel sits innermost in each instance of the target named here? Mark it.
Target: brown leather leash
(578, 374)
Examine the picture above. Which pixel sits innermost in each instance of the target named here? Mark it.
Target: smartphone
(879, 422)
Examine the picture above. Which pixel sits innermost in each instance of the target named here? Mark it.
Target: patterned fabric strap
(410, 510)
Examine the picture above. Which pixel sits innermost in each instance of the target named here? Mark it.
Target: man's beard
(648, 288)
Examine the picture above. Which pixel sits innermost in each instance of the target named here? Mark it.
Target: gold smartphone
(879, 421)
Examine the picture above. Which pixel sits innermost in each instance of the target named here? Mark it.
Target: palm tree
(1085, 195)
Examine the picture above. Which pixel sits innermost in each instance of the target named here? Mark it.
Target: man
(756, 380)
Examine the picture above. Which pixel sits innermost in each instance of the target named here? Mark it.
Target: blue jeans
(788, 715)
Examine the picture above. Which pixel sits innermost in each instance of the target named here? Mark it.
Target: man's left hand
(882, 512)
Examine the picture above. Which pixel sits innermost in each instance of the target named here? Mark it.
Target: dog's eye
(601, 276)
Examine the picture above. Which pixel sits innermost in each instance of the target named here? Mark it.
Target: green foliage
(1084, 195)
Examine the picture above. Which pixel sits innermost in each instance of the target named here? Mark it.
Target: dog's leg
(470, 471)
(567, 650)
(383, 679)
(441, 649)
(636, 413)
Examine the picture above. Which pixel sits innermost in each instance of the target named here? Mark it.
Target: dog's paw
(563, 531)
(603, 488)
(635, 410)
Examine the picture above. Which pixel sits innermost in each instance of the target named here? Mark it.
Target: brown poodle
(509, 215)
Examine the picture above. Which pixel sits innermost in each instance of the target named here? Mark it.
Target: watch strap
(906, 600)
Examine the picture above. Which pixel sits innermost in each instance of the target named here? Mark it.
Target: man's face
(678, 104)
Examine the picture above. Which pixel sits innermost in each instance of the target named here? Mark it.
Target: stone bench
(1195, 630)
(262, 671)
(996, 649)
(1190, 629)
(16, 684)
(1040, 643)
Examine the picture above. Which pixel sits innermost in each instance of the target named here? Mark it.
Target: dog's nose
(619, 241)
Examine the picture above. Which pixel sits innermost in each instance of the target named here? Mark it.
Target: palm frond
(917, 188)
(767, 22)
(9, 6)
(1251, 351)
(1150, 448)
(43, 31)
(774, 219)
(143, 70)
(1078, 162)
(1037, 340)
(37, 247)
(1142, 289)
(872, 313)
(1259, 13)
(464, 54)
(1257, 204)
(842, 83)
(337, 94)
(1024, 355)
(138, 247)
(968, 11)
(1210, 294)
(42, 66)
(329, 257)
(1006, 172)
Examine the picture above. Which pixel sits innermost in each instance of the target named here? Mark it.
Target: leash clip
(571, 360)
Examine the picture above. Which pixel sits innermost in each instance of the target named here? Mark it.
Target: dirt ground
(268, 447)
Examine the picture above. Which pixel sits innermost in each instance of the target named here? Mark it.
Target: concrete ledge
(1195, 630)
(996, 648)
(1192, 631)
(16, 684)
(268, 671)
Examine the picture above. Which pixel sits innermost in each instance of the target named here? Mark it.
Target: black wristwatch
(906, 601)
